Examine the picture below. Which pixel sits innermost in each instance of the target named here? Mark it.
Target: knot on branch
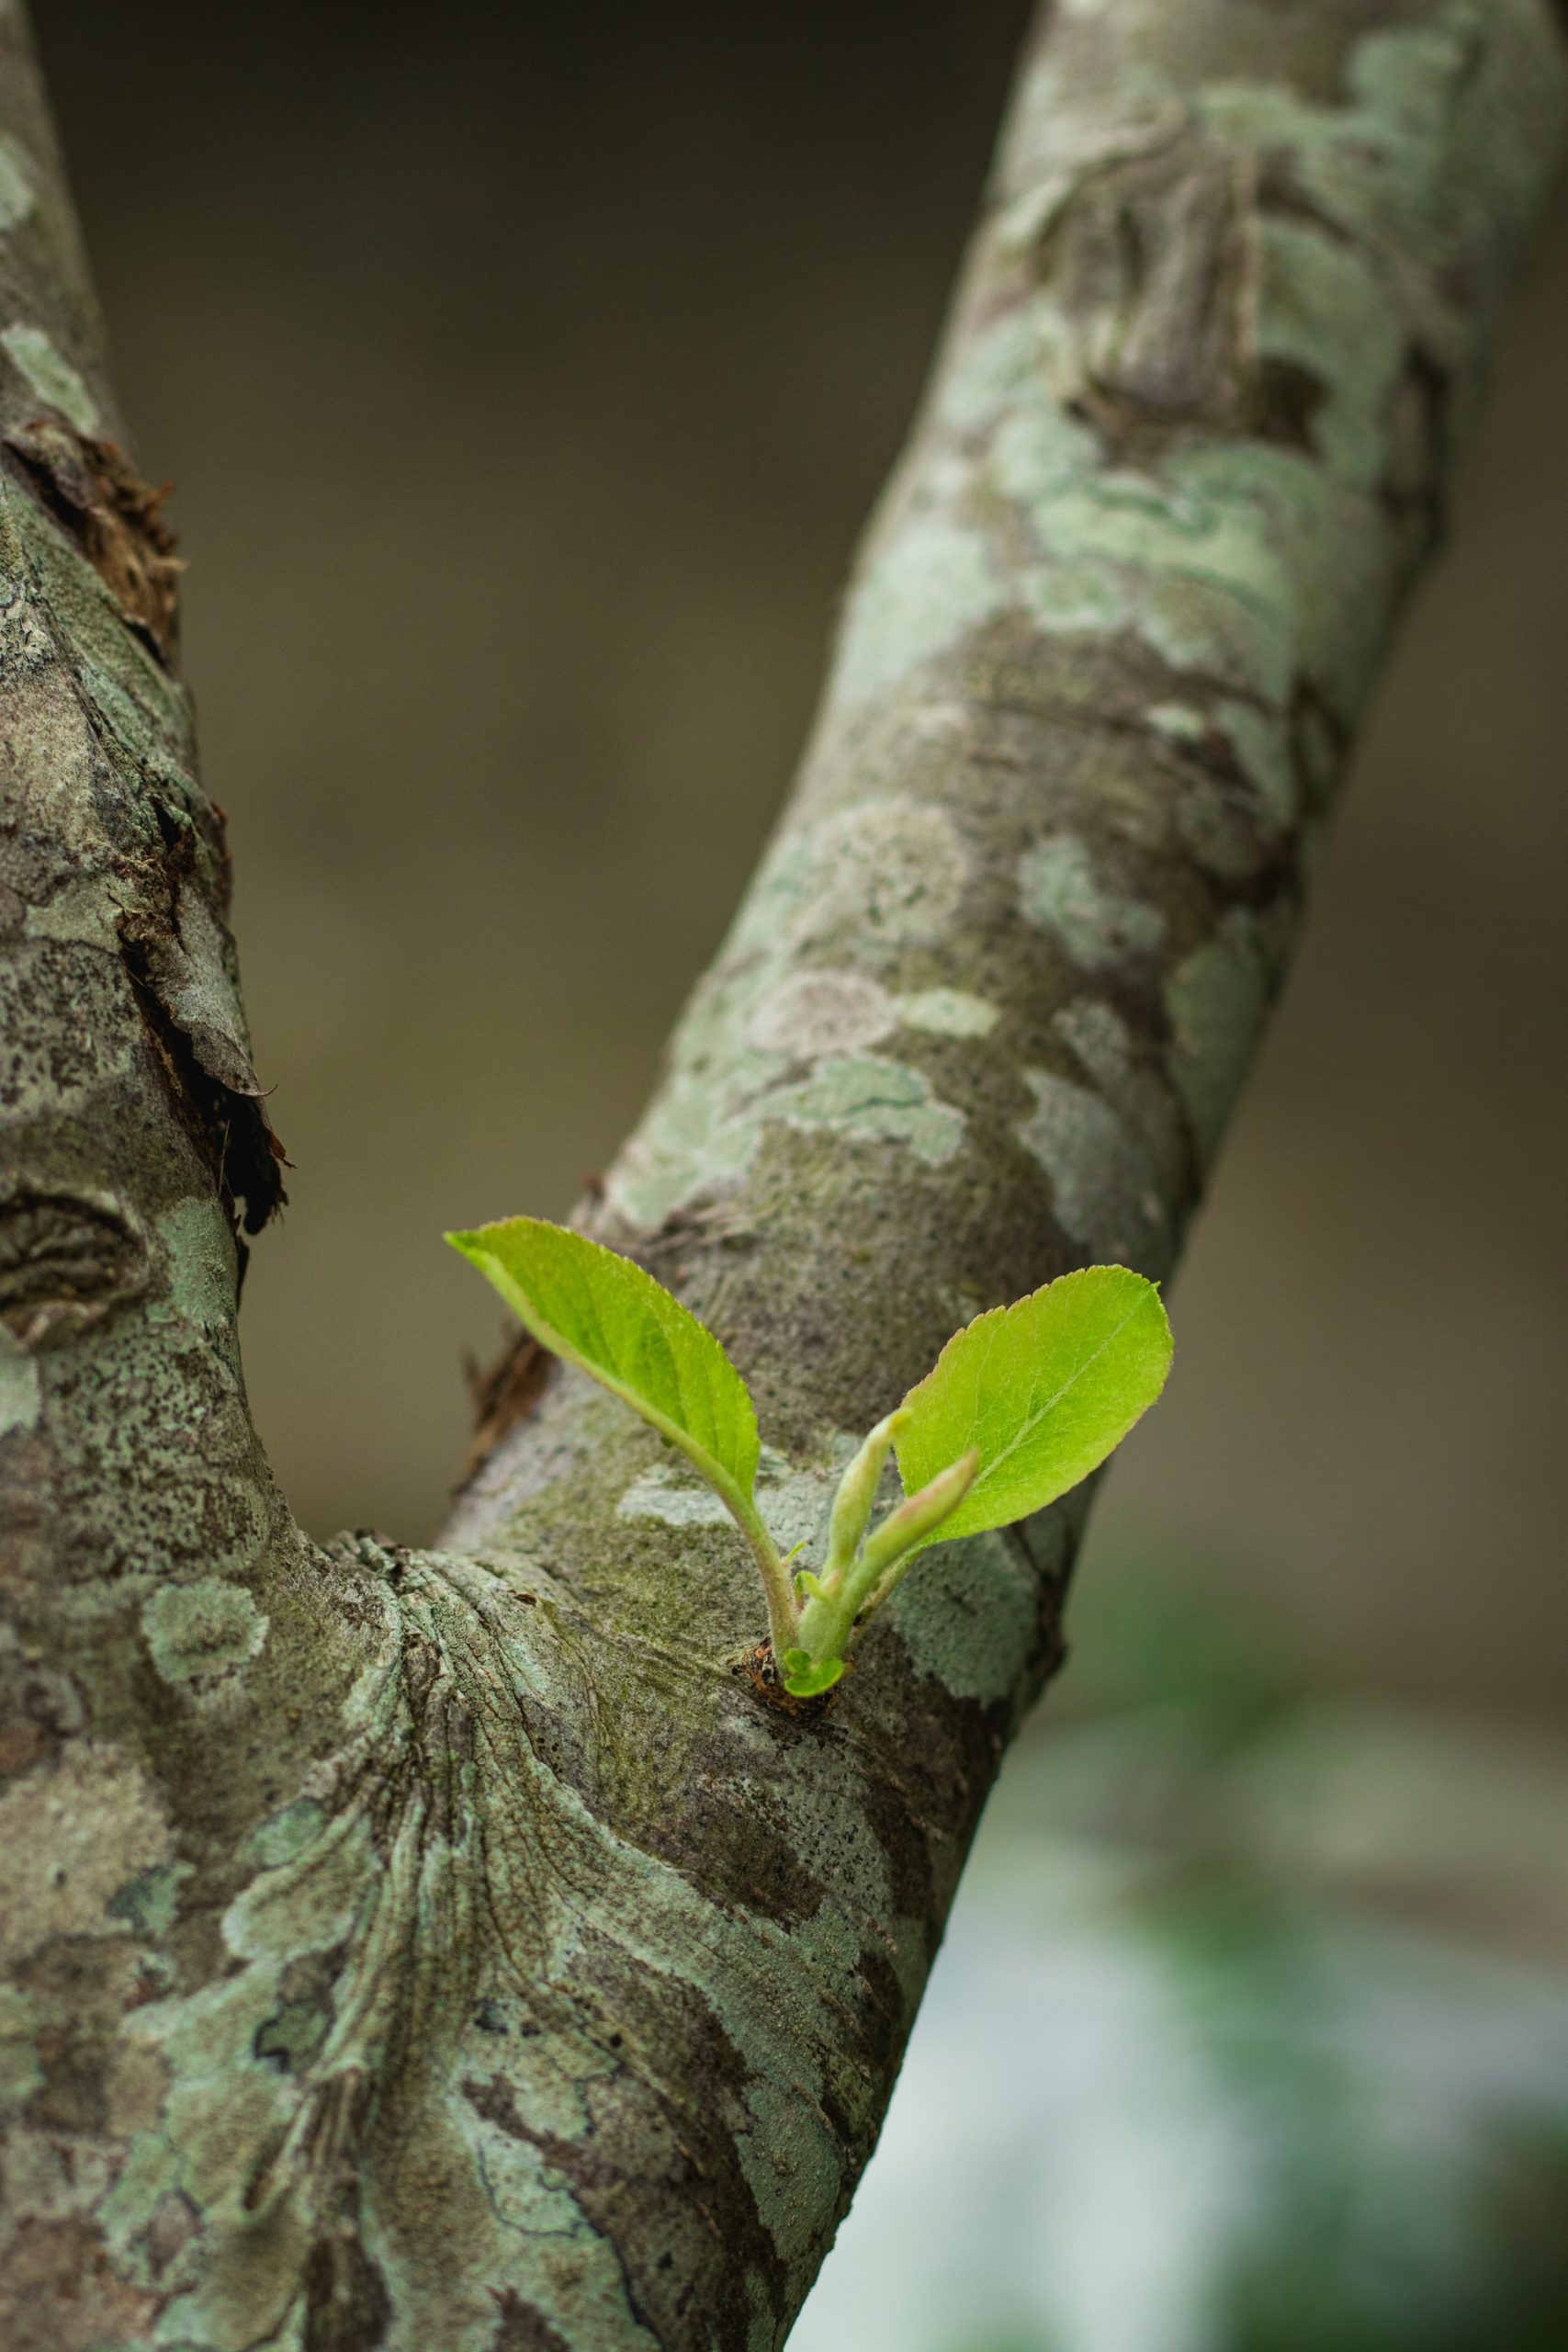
(67, 1259)
(1150, 233)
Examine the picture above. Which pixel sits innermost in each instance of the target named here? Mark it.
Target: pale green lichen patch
(1060, 892)
(177, 1491)
(698, 1143)
(198, 1631)
(17, 198)
(1325, 310)
(1184, 559)
(1101, 1039)
(928, 584)
(996, 370)
(200, 1248)
(873, 1100)
(1140, 1094)
(61, 1061)
(891, 873)
(285, 1835)
(673, 1498)
(1216, 1000)
(527, 2194)
(692, 1146)
(1038, 452)
(794, 1503)
(70, 1838)
(1083, 600)
(139, 703)
(53, 752)
(824, 1011)
(1195, 562)
(150, 1903)
(790, 2163)
(52, 376)
(968, 1614)
(947, 1013)
(1104, 1192)
(1321, 574)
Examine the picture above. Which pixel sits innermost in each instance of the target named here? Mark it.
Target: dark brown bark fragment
(114, 518)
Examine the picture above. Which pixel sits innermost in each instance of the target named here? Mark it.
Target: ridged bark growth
(449, 1951)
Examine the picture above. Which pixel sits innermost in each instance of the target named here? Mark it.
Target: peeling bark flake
(114, 518)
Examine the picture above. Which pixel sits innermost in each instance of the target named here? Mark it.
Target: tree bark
(449, 1950)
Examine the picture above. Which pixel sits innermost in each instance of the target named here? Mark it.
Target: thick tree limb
(451, 1949)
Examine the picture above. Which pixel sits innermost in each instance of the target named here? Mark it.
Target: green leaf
(1044, 1389)
(602, 1312)
(805, 1677)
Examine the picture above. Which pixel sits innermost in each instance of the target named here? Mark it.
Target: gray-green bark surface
(450, 1952)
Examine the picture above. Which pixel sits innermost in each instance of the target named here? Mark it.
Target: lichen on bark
(410, 1949)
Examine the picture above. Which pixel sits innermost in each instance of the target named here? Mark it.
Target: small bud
(857, 1493)
(918, 1519)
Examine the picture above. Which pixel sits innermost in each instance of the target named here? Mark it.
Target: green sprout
(1020, 1405)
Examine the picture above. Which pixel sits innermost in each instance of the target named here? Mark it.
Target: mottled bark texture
(450, 1952)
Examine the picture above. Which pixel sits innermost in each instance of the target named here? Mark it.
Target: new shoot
(1019, 1406)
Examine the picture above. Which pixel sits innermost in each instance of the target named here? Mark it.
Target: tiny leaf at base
(806, 1679)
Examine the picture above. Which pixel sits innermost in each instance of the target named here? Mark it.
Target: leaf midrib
(1026, 1428)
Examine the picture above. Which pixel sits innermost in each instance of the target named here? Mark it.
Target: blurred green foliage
(1251, 2032)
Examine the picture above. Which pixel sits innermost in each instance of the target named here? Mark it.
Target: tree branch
(451, 1949)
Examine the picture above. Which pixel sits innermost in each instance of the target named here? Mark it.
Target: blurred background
(526, 376)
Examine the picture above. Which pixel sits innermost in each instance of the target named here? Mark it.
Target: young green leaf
(602, 1312)
(1044, 1389)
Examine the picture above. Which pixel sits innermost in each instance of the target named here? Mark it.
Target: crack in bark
(229, 1126)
